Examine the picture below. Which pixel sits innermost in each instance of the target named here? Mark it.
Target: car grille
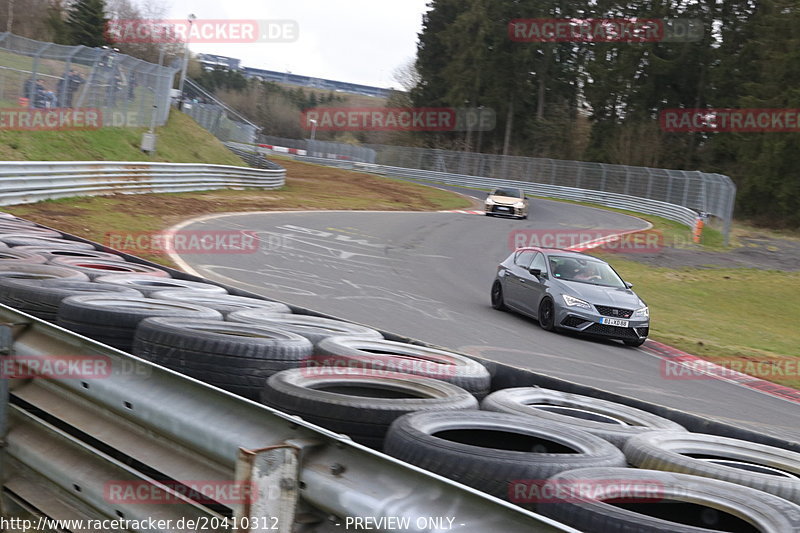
(510, 210)
(573, 321)
(611, 331)
(614, 311)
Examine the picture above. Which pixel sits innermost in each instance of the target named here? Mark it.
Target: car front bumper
(592, 323)
(505, 210)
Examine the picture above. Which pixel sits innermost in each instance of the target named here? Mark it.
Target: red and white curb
(695, 365)
(463, 211)
(283, 149)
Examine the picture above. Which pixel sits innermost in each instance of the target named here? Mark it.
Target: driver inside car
(587, 272)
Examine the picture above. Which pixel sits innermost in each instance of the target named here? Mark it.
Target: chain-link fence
(223, 122)
(126, 91)
(325, 149)
(713, 194)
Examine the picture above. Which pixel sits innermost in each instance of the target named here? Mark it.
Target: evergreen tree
(86, 23)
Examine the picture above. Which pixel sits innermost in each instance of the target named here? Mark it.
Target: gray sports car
(571, 291)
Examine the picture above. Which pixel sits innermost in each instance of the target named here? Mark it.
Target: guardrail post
(6, 341)
(270, 478)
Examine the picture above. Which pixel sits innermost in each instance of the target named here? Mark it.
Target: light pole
(313, 133)
(185, 57)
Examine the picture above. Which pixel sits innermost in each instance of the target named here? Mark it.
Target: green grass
(721, 314)
(180, 140)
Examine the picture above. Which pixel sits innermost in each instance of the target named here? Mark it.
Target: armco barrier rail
(678, 213)
(26, 182)
(674, 194)
(70, 437)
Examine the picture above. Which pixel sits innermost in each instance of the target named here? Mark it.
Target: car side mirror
(536, 272)
(629, 284)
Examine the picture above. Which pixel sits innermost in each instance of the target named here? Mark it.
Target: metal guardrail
(68, 439)
(702, 192)
(252, 155)
(678, 213)
(27, 182)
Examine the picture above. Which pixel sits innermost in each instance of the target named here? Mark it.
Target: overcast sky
(358, 41)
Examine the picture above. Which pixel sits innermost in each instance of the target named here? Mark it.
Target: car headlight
(644, 312)
(571, 301)
(519, 205)
(489, 201)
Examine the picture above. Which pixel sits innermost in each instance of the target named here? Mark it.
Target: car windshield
(512, 193)
(584, 270)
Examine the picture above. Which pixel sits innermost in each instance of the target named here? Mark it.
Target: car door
(532, 288)
(513, 287)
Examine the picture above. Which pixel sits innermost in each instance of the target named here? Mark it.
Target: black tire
(95, 268)
(313, 328)
(16, 255)
(224, 303)
(23, 270)
(670, 451)
(361, 406)
(16, 229)
(112, 320)
(149, 285)
(634, 344)
(232, 356)
(490, 451)
(609, 420)
(22, 239)
(498, 302)
(8, 218)
(52, 252)
(547, 315)
(389, 356)
(41, 298)
(660, 502)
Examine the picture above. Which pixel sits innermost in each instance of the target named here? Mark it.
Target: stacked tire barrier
(568, 456)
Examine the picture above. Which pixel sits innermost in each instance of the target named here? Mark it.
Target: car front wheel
(634, 343)
(547, 315)
(497, 297)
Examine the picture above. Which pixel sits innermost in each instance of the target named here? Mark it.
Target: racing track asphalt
(427, 276)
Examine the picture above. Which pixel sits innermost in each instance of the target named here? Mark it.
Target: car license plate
(504, 209)
(614, 322)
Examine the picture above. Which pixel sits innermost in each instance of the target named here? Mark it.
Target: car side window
(539, 262)
(524, 258)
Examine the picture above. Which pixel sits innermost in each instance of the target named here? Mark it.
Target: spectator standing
(68, 86)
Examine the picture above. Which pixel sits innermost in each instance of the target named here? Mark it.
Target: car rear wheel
(547, 315)
(497, 297)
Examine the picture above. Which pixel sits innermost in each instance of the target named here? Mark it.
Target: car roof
(557, 251)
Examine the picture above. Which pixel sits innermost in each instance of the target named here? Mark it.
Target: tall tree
(86, 22)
